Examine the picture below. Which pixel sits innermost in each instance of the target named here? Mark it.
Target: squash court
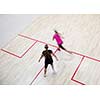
(19, 58)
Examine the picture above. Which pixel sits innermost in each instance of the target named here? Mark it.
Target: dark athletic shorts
(48, 61)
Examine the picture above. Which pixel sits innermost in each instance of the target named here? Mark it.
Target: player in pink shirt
(59, 41)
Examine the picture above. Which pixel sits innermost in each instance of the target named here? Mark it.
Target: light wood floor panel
(88, 72)
(19, 70)
(19, 45)
(64, 70)
(81, 35)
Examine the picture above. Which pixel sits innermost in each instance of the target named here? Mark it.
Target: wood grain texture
(81, 35)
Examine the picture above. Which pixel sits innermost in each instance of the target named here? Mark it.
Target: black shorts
(48, 61)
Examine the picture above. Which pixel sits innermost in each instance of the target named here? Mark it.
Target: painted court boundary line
(36, 76)
(36, 40)
(28, 50)
(86, 56)
(22, 54)
(72, 78)
(39, 72)
(57, 47)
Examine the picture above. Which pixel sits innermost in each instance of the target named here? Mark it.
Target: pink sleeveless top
(58, 39)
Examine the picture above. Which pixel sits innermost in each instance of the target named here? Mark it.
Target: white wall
(12, 24)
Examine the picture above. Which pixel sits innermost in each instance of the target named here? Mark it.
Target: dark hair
(46, 46)
(55, 31)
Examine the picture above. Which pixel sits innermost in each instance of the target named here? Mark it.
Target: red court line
(28, 49)
(86, 56)
(40, 71)
(72, 52)
(55, 52)
(57, 47)
(36, 40)
(10, 53)
(36, 75)
(78, 82)
(22, 54)
(72, 78)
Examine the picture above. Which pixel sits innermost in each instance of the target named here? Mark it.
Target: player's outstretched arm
(55, 56)
(40, 58)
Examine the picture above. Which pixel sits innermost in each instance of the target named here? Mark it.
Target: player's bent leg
(45, 70)
(53, 68)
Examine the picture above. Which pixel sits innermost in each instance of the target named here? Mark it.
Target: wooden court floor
(19, 58)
